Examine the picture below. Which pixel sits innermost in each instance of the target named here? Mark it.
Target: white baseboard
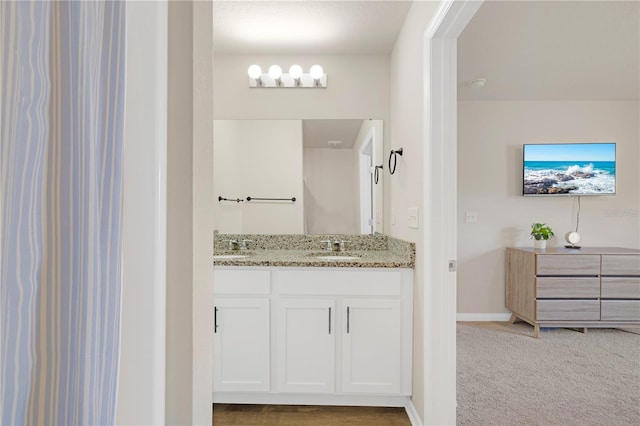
(310, 399)
(483, 317)
(414, 417)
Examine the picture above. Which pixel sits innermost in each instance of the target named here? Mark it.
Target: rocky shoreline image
(574, 179)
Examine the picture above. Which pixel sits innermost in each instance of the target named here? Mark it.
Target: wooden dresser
(574, 288)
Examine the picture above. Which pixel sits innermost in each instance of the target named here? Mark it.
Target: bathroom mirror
(298, 176)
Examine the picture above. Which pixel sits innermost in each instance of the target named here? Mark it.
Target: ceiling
(314, 27)
(552, 50)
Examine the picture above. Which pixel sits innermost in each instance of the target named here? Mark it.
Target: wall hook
(394, 156)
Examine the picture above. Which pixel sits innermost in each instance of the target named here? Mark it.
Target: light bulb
(254, 71)
(316, 72)
(275, 72)
(295, 71)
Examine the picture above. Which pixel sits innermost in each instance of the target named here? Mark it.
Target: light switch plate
(412, 218)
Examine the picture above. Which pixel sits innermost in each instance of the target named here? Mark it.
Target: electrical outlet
(471, 217)
(412, 218)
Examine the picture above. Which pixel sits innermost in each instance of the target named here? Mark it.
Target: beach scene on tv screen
(580, 169)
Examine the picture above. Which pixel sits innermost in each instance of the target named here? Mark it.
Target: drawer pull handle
(215, 319)
(329, 320)
(348, 320)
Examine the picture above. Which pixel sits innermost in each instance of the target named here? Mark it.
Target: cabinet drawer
(226, 281)
(567, 288)
(621, 288)
(620, 264)
(621, 310)
(578, 264)
(567, 310)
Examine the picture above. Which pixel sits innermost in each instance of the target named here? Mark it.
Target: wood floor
(303, 415)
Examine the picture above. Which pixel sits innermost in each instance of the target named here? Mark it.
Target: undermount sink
(229, 256)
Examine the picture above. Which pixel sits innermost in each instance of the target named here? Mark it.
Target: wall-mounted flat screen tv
(569, 169)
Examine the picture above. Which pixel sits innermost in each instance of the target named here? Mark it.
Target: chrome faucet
(337, 245)
(243, 244)
(232, 244)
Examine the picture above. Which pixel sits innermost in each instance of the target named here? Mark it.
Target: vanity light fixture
(296, 78)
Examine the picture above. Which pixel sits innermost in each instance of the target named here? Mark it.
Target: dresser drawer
(620, 288)
(620, 264)
(567, 288)
(621, 310)
(567, 310)
(577, 264)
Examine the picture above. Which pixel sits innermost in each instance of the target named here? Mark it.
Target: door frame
(440, 207)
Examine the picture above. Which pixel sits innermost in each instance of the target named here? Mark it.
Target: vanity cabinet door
(241, 345)
(306, 345)
(371, 346)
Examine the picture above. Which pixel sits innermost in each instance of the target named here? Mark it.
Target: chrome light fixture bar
(295, 78)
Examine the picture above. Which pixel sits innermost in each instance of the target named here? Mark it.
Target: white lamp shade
(316, 72)
(254, 71)
(275, 72)
(295, 71)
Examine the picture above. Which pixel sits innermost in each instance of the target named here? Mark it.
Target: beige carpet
(505, 377)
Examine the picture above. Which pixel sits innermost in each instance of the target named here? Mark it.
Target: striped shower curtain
(61, 129)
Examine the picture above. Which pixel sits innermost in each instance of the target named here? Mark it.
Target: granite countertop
(310, 258)
(378, 251)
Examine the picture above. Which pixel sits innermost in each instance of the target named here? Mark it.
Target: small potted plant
(540, 233)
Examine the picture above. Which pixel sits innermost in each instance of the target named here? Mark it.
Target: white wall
(331, 200)
(358, 87)
(405, 188)
(490, 138)
(258, 158)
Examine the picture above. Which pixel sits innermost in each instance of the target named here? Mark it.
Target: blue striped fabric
(61, 145)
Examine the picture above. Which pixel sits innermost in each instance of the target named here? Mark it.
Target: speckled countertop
(377, 251)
